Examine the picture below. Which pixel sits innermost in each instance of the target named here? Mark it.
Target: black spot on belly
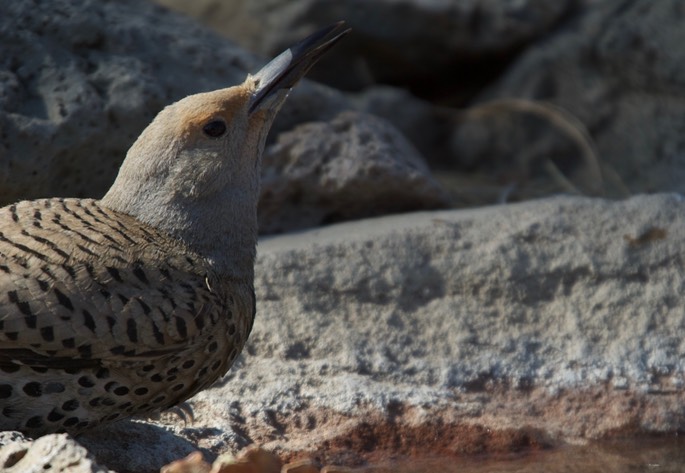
(70, 405)
(178, 387)
(86, 382)
(5, 391)
(121, 391)
(35, 422)
(33, 389)
(71, 421)
(188, 364)
(54, 416)
(141, 391)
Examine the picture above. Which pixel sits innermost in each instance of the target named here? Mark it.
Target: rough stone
(385, 47)
(427, 126)
(57, 453)
(613, 69)
(80, 79)
(354, 166)
(489, 329)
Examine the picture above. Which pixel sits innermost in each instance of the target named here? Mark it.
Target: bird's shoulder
(73, 272)
(82, 230)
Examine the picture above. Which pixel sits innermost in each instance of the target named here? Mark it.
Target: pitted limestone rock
(57, 453)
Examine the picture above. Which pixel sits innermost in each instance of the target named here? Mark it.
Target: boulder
(354, 166)
(57, 453)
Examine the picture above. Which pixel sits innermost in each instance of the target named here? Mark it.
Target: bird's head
(198, 161)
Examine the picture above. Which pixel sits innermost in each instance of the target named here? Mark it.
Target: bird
(133, 303)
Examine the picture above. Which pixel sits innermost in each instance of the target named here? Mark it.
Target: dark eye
(215, 128)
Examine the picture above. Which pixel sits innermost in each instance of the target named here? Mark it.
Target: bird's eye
(215, 128)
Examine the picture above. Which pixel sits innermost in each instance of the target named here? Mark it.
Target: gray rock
(79, 80)
(615, 70)
(56, 453)
(352, 167)
(427, 126)
(560, 317)
(465, 331)
(391, 40)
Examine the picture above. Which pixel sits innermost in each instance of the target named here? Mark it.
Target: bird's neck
(222, 228)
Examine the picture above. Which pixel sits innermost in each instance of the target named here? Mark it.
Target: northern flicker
(133, 303)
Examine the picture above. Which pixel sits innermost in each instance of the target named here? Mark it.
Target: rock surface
(354, 166)
(50, 454)
(385, 47)
(448, 333)
(614, 69)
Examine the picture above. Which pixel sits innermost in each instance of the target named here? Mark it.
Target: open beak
(286, 69)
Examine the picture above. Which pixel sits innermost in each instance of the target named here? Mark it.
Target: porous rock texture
(613, 68)
(449, 333)
(385, 47)
(50, 454)
(317, 173)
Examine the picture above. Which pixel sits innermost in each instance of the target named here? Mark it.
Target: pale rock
(354, 166)
(56, 453)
